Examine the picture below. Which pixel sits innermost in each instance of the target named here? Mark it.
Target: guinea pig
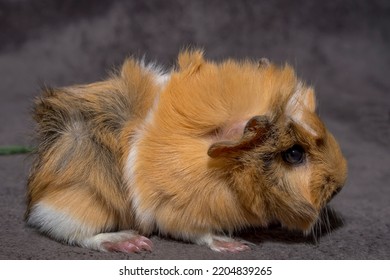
(196, 153)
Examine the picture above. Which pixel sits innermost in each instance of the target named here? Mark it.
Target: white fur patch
(160, 74)
(61, 226)
(295, 107)
(145, 219)
(58, 224)
(161, 78)
(129, 169)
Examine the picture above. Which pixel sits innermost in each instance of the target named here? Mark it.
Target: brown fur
(207, 151)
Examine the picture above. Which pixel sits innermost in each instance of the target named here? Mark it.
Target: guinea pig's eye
(294, 155)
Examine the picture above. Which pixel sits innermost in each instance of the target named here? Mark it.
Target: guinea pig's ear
(254, 132)
(190, 60)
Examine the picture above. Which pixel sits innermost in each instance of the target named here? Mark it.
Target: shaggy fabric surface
(340, 47)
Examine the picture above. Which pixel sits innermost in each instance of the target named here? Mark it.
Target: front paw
(224, 244)
(131, 245)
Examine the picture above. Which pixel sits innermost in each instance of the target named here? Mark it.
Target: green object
(12, 150)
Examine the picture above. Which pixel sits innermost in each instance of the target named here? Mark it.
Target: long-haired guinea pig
(196, 154)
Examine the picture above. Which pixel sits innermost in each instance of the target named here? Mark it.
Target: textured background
(340, 47)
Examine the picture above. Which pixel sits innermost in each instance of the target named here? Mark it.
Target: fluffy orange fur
(195, 157)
